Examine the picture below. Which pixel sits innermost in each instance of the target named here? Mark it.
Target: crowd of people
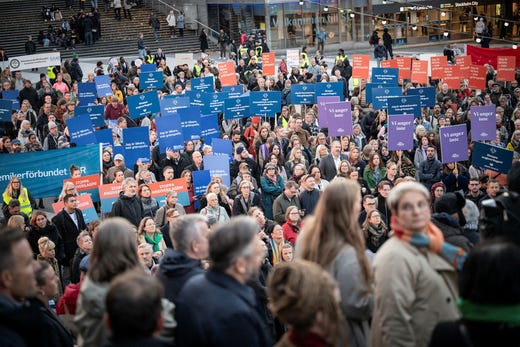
(379, 237)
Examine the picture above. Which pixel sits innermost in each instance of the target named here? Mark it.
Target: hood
(176, 263)
(446, 219)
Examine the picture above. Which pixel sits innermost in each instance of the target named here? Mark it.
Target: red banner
(481, 56)
(477, 77)
(85, 182)
(162, 188)
(506, 68)
(84, 202)
(437, 65)
(389, 63)
(420, 71)
(464, 61)
(360, 66)
(405, 67)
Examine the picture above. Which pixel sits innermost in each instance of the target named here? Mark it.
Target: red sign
(392, 63)
(451, 76)
(437, 65)
(85, 182)
(464, 61)
(83, 202)
(405, 67)
(268, 64)
(506, 68)
(481, 56)
(360, 66)
(107, 191)
(226, 74)
(162, 188)
(477, 77)
(419, 71)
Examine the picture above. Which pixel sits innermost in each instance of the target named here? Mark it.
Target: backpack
(500, 217)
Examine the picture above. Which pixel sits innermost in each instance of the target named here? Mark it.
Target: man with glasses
(474, 193)
(69, 222)
(369, 203)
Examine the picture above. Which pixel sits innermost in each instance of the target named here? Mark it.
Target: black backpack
(500, 217)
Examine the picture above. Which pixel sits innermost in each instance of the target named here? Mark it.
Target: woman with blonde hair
(68, 188)
(16, 222)
(47, 254)
(149, 233)
(333, 239)
(293, 288)
(15, 190)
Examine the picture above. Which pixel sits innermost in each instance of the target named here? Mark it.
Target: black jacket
(129, 208)
(451, 230)
(49, 231)
(68, 232)
(214, 309)
(175, 269)
(240, 206)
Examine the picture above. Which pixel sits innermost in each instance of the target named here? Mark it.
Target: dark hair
(40, 272)
(513, 178)
(133, 305)
(68, 197)
(490, 274)
(231, 240)
(8, 238)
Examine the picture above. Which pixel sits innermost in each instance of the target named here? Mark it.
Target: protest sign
(236, 108)
(506, 68)
(464, 63)
(492, 157)
(222, 147)
(391, 63)
(400, 132)
(405, 67)
(213, 103)
(87, 93)
(43, 172)
(84, 204)
(303, 94)
(339, 118)
(380, 96)
(151, 80)
(437, 65)
(108, 194)
(203, 84)
(385, 75)
(233, 91)
(329, 89)
(169, 105)
(452, 76)
(190, 122)
(265, 103)
(322, 109)
(145, 68)
(104, 137)
(136, 145)
(226, 73)
(268, 64)
(144, 104)
(81, 131)
(419, 71)
(209, 127)
(218, 167)
(360, 66)
(483, 122)
(13, 96)
(405, 105)
(477, 77)
(159, 190)
(103, 86)
(96, 112)
(169, 133)
(427, 96)
(201, 179)
(454, 143)
(293, 58)
(87, 185)
(6, 110)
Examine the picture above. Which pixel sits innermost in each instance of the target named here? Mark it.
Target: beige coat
(414, 290)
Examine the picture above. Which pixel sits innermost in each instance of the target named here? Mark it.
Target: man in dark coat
(128, 205)
(30, 48)
(70, 223)
(242, 156)
(29, 93)
(329, 163)
(217, 308)
(430, 170)
(189, 235)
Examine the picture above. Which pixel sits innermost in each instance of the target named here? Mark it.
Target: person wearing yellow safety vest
(149, 58)
(15, 190)
(52, 71)
(304, 60)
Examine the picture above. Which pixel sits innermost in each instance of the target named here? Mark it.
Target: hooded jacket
(451, 230)
(175, 269)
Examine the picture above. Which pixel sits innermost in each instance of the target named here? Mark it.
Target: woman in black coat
(42, 227)
(246, 199)
(203, 38)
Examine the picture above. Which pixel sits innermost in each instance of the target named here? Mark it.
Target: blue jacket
(214, 309)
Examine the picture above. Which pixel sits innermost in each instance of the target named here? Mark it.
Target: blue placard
(265, 103)
(96, 112)
(190, 122)
(405, 105)
(169, 105)
(214, 103)
(385, 75)
(43, 172)
(222, 147)
(11, 95)
(80, 130)
(209, 127)
(233, 91)
(6, 110)
(218, 167)
(196, 98)
(203, 84)
(329, 89)
(87, 93)
(151, 80)
(492, 157)
(103, 85)
(380, 96)
(104, 137)
(303, 94)
(201, 179)
(427, 95)
(368, 90)
(136, 145)
(169, 133)
(142, 105)
(148, 68)
(236, 108)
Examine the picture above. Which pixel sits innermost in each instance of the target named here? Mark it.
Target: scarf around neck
(154, 241)
(432, 239)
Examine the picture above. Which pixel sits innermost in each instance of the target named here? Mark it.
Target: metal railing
(165, 8)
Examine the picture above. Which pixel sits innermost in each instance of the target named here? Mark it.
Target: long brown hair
(293, 288)
(334, 226)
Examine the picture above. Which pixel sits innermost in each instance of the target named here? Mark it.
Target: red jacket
(290, 232)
